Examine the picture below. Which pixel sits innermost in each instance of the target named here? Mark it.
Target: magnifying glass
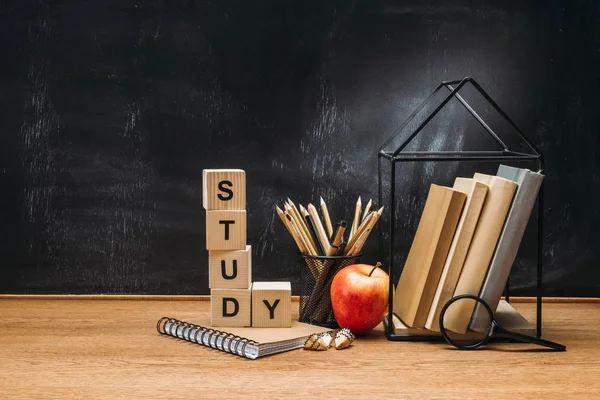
(468, 333)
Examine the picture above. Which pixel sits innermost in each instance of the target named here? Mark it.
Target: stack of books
(466, 243)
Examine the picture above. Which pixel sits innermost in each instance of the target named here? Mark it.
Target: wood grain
(98, 349)
(277, 312)
(226, 230)
(238, 268)
(234, 195)
(231, 307)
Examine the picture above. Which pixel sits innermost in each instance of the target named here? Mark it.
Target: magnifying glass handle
(531, 339)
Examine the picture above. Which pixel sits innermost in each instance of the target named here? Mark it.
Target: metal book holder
(394, 152)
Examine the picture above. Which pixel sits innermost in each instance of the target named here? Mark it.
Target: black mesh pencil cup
(315, 284)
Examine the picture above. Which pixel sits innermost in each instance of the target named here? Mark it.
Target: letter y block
(271, 305)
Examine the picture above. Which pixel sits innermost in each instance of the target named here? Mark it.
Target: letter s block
(224, 189)
(226, 230)
(271, 305)
(230, 307)
(230, 269)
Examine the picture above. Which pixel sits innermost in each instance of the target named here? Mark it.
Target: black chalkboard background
(111, 109)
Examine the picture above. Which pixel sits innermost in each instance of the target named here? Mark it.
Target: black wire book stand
(394, 154)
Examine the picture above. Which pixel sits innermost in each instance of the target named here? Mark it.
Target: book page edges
(506, 315)
(265, 335)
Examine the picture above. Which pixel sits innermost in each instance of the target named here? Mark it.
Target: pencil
(300, 224)
(337, 239)
(297, 215)
(326, 218)
(339, 233)
(367, 209)
(340, 249)
(290, 229)
(309, 246)
(313, 268)
(360, 242)
(363, 226)
(313, 231)
(321, 234)
(356, 220)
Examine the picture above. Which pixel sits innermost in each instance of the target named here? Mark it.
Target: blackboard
(112, 109)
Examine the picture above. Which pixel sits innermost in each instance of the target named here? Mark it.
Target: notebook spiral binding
(198, 334)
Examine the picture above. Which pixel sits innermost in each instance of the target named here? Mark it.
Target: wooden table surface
(106, 349)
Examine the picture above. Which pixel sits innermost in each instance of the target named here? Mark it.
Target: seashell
(344, 338)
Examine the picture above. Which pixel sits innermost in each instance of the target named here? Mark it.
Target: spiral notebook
(251, 343)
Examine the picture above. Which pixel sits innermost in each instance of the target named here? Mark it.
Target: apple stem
(374, 268)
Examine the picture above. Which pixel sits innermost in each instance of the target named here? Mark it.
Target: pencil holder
(315, 284)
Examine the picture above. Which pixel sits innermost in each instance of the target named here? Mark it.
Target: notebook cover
(265, 335)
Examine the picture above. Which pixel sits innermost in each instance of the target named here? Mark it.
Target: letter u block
(230, 269)
(271, 305)
(224, 189)
(226, 230)
(230, 307)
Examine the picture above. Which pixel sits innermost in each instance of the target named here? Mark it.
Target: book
(492, 218)
(476, 192)
(423, 267)
(246, 342)
(506, 316)
(518, 217)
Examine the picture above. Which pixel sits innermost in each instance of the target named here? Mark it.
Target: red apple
(359, 297)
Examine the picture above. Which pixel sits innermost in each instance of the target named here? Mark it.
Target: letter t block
(230, 307)
(271, 305)
(226, 230)
(224, 189)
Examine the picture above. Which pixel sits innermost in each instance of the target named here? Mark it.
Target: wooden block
(230, 307)
(230, 269)
(271, 305)
(226, 230)
(224, 189)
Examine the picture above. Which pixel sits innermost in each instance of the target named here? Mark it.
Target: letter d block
(230, 269)
(271, 305)
(226, 230)
(224, 189)
(230, 307)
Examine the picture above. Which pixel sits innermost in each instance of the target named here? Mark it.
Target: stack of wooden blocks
(235, 300)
